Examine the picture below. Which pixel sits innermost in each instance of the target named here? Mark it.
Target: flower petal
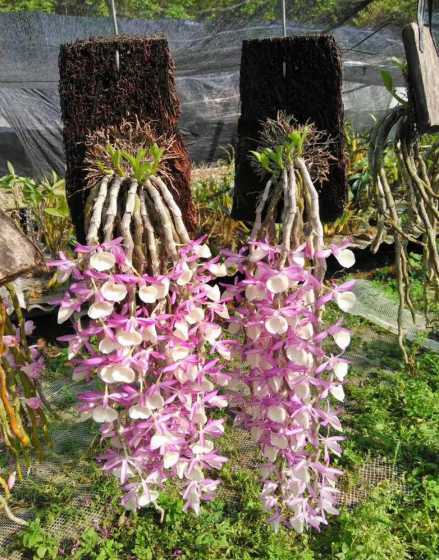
(345, 257)
(100, 310)
(148, 294)
(102, 261)
(345, 300)
(276, 324)
(102, 414)
(278, 283)
(113, 291)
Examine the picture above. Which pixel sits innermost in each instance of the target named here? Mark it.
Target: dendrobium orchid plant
(153, 345)
(146, 343)
(290, 379)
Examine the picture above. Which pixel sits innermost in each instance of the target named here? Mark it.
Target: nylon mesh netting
(207, 52)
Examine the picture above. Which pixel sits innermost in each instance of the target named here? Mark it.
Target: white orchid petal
(181, 330)
(100, 310)
(341, 370)
(102, 261)
(253, 332)
(179, 353)
(106, 346)
(218, 269)
(277, 413)
(276, 324)
(337, 391)
(278, 283)
(64, 313)
(102, 414)
(129, 338)
(203, 251)
(150, 334)
(271, 453)
(279, 441)
(160, 440)
(148, 294)
(155, 401)
(195, 315)
(213, 292)
(138, 412)
(345, 300)
(170, 459)
(185, 276)
(342, 338)
(299, 356)
(162, 288)
(254, 292)
(346, 258)
(257, 254)
(113, 291)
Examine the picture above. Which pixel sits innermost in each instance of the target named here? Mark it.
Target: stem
(313, 213)
(95, 222)
(126, 220)
(174, 208)
(150, 235)
(165, 223)
(290, 209)
(112, 209)
(10, 515)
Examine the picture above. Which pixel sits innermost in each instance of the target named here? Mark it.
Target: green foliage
(45, 201)
(313, 11)
(273, 160)
(389, 413)
(141, 165)
(40, 545)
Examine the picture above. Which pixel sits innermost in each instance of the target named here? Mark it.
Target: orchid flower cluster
(148, 343)
(290, 380)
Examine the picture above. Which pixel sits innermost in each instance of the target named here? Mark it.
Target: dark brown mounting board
(95, 95)
(311, 91)
(423, 73)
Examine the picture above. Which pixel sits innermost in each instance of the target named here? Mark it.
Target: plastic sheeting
(207, 58)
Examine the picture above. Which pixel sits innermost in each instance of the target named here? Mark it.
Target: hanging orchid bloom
(287, 390)
(146, 340)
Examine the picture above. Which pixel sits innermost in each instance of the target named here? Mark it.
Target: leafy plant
(36, 541)
(44, 204)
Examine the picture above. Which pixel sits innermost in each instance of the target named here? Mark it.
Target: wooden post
(423, 74)
(310, 91)
(94, 95)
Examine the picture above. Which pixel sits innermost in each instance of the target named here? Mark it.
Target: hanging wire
(116, 31)
(284, 17)
(284, 25)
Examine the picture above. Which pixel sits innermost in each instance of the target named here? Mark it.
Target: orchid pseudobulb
(148, 341)
(290, 387)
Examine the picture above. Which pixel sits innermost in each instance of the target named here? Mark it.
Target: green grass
(390, 413)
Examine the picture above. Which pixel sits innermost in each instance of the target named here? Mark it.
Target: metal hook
(116, 31)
